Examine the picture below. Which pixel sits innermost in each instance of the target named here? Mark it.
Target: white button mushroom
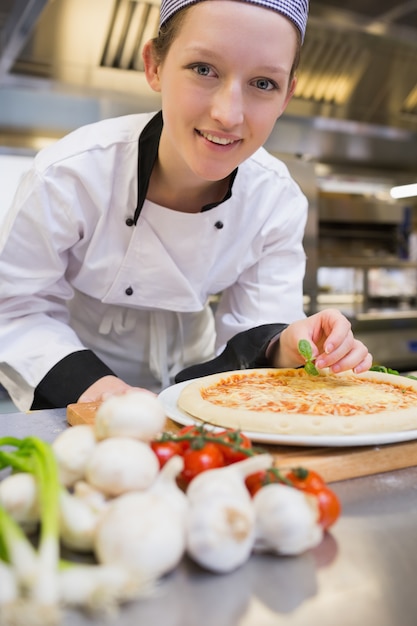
(135, 414)
(286, 520)
(73, 448)
(119, 465)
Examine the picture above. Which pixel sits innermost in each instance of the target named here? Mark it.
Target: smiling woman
(123, 230)
(229, 89)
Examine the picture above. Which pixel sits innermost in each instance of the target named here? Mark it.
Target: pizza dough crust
(393, 420)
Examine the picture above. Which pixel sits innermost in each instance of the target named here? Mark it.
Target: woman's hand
(330, 335)
(108, 386)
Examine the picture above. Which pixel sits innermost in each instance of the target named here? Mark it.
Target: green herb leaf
(306, 351)
(388, 370)
(311, 369)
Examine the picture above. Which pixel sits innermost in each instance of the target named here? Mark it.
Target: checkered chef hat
(294, 10)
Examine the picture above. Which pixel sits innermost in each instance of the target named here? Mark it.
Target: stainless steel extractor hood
(66, 62)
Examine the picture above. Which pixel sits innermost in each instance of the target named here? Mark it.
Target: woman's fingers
(351, 354)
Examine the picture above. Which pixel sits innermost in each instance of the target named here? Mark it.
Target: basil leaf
(388, 370)
(305, 349)
(311, 369)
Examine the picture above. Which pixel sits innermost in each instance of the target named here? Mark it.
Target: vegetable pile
(132, 500)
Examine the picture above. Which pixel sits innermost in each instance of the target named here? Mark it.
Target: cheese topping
(298, 392)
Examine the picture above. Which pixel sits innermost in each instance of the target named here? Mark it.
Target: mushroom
(136, 414)
(119, 465)
(73, 449)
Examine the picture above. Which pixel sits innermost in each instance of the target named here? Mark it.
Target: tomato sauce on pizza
(294, 402)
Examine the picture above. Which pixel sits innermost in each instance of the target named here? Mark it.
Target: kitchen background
(348, 136)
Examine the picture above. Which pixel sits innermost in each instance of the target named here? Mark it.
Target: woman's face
(223, 84)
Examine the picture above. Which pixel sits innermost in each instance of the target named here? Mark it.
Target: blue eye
(202, 70)
(265, 84)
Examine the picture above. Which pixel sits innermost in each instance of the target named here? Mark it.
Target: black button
(219, 225)
(129, 291)
(129, 221)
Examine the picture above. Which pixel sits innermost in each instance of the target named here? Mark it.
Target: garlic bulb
(165, 486)
(95, 498)
(144, 532)
(221, 531)
(229, 480)
(119, 465)
(73, 448)
(221, 522)
(135, 414)
(78, 522)
(286, 520)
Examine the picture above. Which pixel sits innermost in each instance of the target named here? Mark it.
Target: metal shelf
(366, 263)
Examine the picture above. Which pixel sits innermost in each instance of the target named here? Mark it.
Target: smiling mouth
(221, 141)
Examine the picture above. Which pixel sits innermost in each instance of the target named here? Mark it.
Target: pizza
(293, 402)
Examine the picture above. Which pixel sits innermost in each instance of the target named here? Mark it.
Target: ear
(151, 66)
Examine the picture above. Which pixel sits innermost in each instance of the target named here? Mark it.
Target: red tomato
(197, 460)
(311, 482)
(306, 480)
(239, 440)
(329, 506)
(165, 450)
(193, 431)
(256, 481)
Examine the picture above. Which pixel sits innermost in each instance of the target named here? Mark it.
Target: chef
(122, 231)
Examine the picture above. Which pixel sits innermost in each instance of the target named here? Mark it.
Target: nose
(227, 105)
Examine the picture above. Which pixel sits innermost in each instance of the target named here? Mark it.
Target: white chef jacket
(78, 273)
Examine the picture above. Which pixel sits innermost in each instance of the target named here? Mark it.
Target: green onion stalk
(36, 569)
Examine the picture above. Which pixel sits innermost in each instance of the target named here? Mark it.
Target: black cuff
(246, 350)
(68, 379)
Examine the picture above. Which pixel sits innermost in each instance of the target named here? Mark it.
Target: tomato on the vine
(192, 432)
(306, 480)
(165, 450)
(256, 481)
(311, 482)
(240, 443)
(197, 460)
(329, 507)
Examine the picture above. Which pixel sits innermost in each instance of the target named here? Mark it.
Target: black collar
(147, 155)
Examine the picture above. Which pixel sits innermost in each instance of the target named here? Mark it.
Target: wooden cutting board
(332, 463)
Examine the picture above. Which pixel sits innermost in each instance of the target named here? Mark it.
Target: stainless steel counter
(363, 573)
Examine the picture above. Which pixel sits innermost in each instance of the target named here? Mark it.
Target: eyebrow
(273, 69)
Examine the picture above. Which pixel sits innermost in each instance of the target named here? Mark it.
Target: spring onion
(34, 582)
(40, 580)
